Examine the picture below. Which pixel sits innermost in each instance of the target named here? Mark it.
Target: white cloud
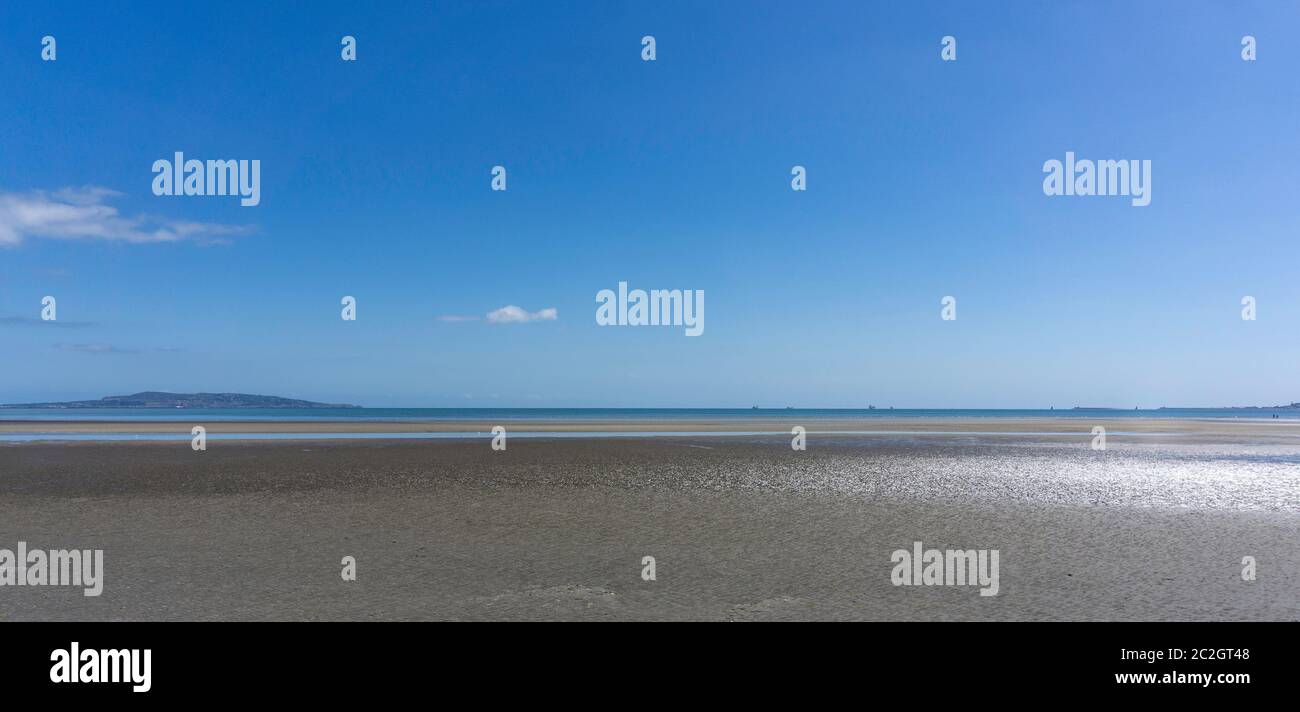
(511, 314)
(83, 214)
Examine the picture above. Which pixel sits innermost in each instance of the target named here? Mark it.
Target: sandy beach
(741, 528)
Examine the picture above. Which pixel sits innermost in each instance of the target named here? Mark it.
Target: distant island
(159, 399)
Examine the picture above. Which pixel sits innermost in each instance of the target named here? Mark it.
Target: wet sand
(1220, 430)
(740, 530)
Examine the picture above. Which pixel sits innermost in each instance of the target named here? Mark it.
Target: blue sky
(924, 180)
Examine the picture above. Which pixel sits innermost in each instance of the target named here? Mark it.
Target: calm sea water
(600, 414)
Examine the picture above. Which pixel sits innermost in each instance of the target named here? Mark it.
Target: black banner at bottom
(930, 661)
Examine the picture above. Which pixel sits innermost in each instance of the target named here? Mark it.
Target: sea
(605, 414)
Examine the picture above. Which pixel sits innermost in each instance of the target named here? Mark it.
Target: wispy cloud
(110, 350)
(95, 349)
(511, 314)
(33, 321)
(84, 214)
